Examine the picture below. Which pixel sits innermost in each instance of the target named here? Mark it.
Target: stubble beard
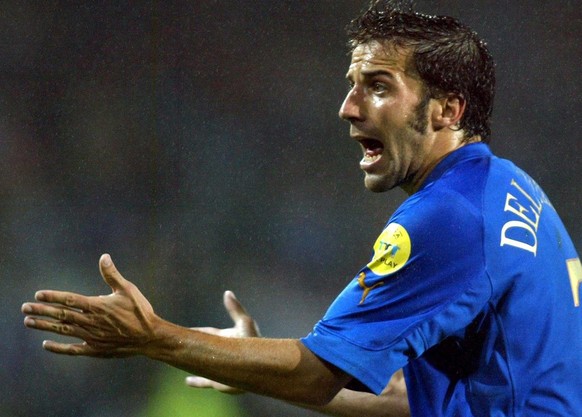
(418, 124)
(420, 121)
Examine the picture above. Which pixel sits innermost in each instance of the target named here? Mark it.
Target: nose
(351, 109)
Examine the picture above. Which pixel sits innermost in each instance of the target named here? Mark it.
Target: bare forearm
(392, 402)
(348, 403)
(279, 368)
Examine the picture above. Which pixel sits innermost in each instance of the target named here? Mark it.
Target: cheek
(404, 147)
(394, 118)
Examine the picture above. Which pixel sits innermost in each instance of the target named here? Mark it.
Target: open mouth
(372, 150)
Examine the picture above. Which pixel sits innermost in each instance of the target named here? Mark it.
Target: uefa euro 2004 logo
(391, 250)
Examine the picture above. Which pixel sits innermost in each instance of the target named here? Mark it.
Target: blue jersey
(473, 289)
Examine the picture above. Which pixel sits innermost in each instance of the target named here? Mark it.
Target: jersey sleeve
(425, 281)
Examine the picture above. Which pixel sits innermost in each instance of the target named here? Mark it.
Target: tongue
(373, 147)
(373, 152)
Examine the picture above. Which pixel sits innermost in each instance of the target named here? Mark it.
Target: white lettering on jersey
(528, 221)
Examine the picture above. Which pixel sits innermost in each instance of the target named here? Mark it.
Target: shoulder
(438, 224)
(439, 210)
(458, 190)
(430, 230)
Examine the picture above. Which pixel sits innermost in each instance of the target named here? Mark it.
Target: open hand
(115, 325)
(244, 326)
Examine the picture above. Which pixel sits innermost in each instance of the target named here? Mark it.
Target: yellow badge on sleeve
(391, 250)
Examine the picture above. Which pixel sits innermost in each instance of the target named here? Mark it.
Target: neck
(439, 152)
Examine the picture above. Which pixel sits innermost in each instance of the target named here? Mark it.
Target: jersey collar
(470, 151)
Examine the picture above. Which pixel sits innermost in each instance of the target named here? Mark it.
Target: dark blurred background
(198, 142)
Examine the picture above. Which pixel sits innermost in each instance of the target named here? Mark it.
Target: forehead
(376, 55)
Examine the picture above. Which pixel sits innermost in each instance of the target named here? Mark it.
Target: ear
(448, 111)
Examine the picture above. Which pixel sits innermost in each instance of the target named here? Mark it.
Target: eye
(378, 87)
(350, 85)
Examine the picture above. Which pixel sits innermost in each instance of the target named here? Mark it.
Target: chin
(377, 185)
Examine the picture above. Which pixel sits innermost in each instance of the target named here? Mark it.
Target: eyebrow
(372, 73)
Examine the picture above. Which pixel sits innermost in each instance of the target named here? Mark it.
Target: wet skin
(400, 129)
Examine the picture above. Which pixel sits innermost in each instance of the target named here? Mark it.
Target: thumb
(234, 307)
(110, 273)
(244, 325)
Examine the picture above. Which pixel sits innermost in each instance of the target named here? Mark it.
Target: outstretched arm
(393, 402)
(124, 324)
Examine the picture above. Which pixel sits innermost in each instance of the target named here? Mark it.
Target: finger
(200, 382)
(84, 349)
(208, 330)
(75, 349)
(63, 314)
(235, 309)
(68, 299)
(63, 348)
(110, 273)
(57, 327)
(245, 325)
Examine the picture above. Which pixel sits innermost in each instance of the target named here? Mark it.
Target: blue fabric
(472, 289)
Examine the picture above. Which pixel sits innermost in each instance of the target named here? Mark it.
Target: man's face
(388, 112)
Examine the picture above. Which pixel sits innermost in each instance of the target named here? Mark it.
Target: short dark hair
(448, 56)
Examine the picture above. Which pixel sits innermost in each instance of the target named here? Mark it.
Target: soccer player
(473, 287)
